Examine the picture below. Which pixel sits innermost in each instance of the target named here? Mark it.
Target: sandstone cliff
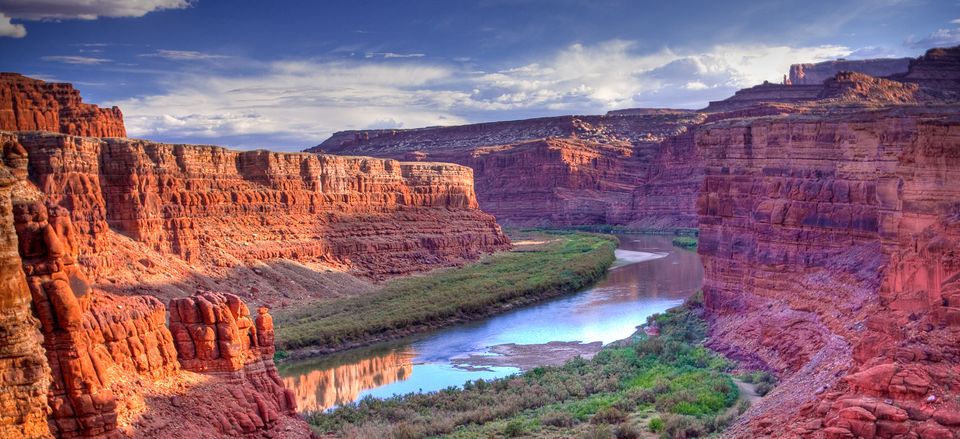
(168, 219)
(109, 366)
(28, 104)
(623, 168)
(816, 73)
(25, 374)
(829, 246)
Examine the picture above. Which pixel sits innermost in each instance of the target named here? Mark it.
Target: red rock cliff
(622, 168)
(829, 244)
(108, 366)
(28, 104)
(167, 219)
(26, 375)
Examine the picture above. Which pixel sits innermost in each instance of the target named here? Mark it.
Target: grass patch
(687, 242)
(669, 384)
(564, 263)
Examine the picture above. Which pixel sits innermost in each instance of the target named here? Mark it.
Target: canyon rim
(396, 181)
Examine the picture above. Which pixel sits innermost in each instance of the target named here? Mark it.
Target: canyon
(828, 209)
(828, 214)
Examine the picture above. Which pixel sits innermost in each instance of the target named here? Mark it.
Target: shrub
(558, 419)
(626, 431)
(599, 431)
(681, 427)
(514, 428)
(763, 389)
(655, 425)
(609, 415)
(743, 406)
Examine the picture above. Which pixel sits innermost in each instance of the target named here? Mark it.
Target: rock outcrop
(624, 168)
(151, 216)
(829, 244)
(28, 104)
(25, 374)
(107, 366)
(817, 73)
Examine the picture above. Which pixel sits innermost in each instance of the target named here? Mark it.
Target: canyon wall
(829, 245)
(627, 169)
(107, 366)
(25, 374)
(816, 73)
(28, 104)
(168, 219)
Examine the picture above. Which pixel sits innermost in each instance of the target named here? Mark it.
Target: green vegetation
(764, 381)
(687, 242)
(625, 230)
(670, 384)
(557, 263)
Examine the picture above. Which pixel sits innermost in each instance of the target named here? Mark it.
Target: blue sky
(286, 74)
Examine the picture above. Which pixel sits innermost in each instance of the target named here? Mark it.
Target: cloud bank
(296, 102)
(36, 10)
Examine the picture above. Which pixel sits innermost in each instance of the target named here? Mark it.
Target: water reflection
(607, 312)
(328, 382)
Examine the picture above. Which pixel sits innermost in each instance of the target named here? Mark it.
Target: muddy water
(650, 275)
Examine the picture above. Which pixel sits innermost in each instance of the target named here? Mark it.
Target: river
(608, 311)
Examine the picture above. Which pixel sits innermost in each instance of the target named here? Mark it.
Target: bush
(627, 432)
(743, 406)
(558, 419)
(600, 431)
(686, 242)
(682, 427)
(655, 425)
(514, 428)
(763, 389)
(609, 415)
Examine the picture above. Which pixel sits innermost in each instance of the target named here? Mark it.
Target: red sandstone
(28, 104)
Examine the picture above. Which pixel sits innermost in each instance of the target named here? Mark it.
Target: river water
(609, 311)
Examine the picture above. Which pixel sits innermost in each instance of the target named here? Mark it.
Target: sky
(285, 75)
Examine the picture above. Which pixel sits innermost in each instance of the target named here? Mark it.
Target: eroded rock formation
(624, 168)
(829, 251)
(25, 374)
(817, 73)
(224, 214)
(28, 104)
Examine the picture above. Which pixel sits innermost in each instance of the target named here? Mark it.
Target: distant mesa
(28, 104)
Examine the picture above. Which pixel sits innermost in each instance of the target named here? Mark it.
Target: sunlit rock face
(817, 73)
(635, 167)
(342, 384)
(26, 375)
(28, 104)
(150, 217)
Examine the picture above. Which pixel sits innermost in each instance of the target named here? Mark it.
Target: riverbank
(543, 264)
(644, 386)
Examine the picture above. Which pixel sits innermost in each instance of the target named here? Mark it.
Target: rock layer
(220, 212)
(25, 374)
(829, 250)
(817, 73)
(28, 104)
(622, 168)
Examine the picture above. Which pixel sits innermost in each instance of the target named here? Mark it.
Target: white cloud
(611, 75)
(939, 38)
(388, 55)
(183, 55)
(75, 10)
(8, 29)
(298, 102)
(82, 60)
(85, 9)
(955, 21)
